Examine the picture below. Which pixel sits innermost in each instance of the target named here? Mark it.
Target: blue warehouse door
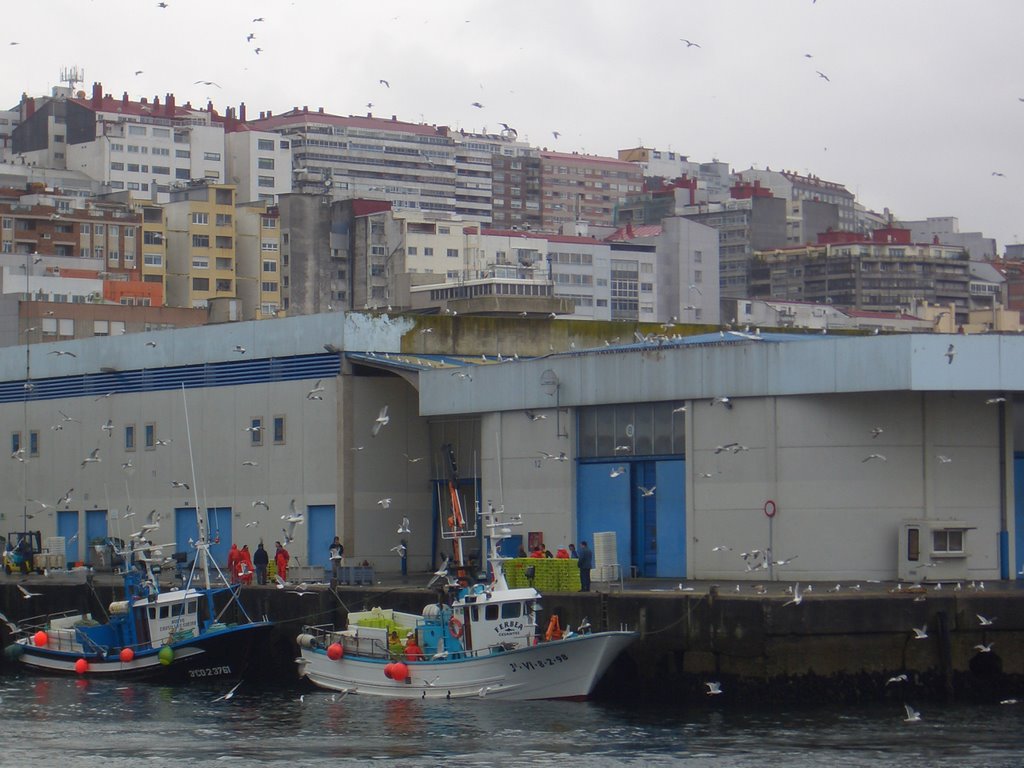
(95, 530)
(322, 531)
(603, 504)
(67, 526)
(219, 521)
(670, 493)
(645, 506)
(186, 530)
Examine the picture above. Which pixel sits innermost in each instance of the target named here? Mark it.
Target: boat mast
(202, 544)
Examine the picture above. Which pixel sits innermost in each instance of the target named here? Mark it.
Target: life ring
(455, 627)
(769, 508)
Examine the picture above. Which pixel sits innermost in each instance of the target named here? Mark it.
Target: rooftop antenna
(72, 76)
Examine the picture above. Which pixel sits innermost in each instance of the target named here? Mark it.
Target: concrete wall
(838, 514)
(517, 476)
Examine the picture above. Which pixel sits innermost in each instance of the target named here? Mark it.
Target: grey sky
(923, 102)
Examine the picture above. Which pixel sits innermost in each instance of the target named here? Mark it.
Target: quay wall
(829, 647)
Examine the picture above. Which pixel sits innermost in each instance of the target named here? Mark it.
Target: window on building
(948, 541)
(265, 145)
(213, 156)
(200, 217)
(453, 253)
(15, 442)
(33, 443)
(268, 287)
(149, 436)
(223, 219)
(153, 259)
(265, 163)
(428, 251)
(200, 283)
(129, 437)
(200, 241)
(270, 266)
(255, 430)
(265, 181)
(279, 430)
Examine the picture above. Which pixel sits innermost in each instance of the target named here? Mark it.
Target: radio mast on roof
(72, 76)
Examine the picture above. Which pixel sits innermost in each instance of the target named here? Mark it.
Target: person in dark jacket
(260, 560)
(585, 562)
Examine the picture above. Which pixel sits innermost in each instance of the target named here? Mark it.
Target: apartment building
(258, 163)
(258, 263)
(587, 188)
(139, 145)
(884, 272)
(201, 256)
(806, 216)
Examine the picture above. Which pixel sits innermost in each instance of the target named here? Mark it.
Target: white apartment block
(143, 146)
(259, 164)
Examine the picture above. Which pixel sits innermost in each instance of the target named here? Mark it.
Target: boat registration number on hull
(550, 661)
(210, 671)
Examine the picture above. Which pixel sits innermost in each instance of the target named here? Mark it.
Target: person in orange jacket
(412, 651)
(281, 558)
(245, 567)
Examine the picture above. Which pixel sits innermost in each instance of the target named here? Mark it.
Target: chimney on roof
(320, 110)
(156, 102)
(97, 95)
(241, 111)
(142, 100)
(124, 99)
(305, 108)
(209, 106)
(169, 104)
(269, 113)
(30, 106)
(394, 118)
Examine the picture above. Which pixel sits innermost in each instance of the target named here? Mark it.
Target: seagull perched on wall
(404, 527)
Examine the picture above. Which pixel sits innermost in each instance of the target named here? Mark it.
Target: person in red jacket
(233, 563)
(281, 558)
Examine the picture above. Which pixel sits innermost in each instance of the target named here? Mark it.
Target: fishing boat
(170, 636)
(174, 635)
(477, 639)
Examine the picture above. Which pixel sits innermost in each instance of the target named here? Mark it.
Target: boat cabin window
(152, 613)
(491, 612)
(163, 611)
(177, 610)
(192, 607)
(510, 610)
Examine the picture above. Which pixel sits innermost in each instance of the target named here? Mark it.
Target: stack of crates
(550, 574)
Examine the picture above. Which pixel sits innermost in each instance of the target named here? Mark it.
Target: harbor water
(50, 722)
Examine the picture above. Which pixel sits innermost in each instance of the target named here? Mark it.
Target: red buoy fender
(455, 627)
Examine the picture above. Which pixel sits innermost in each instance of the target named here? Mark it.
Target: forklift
(21, 550)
